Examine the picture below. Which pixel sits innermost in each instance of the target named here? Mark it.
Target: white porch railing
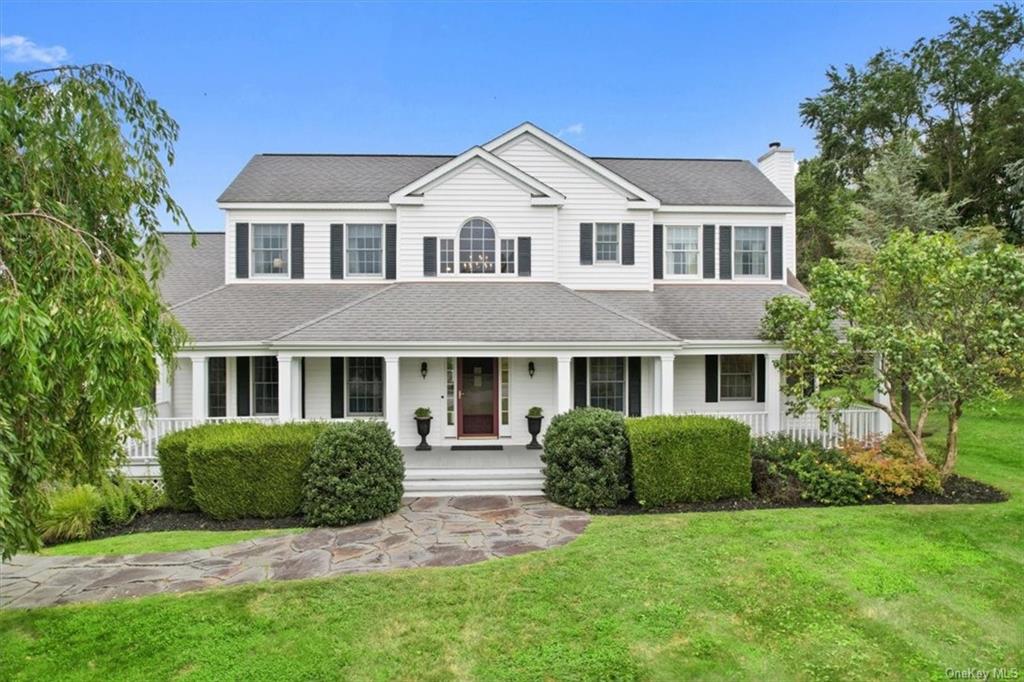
(857, 423)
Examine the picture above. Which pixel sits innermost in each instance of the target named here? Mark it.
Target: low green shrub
(124, 499)
(824, 475)
(250, 470)
(355, 474)
(688, 459)
(74, 513)
(172, 452)
(586, 459)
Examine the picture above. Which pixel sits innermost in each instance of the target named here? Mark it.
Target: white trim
(542, 195)
(639, 197)
(676, 208)
(304, 206)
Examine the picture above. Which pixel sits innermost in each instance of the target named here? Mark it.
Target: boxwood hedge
(250, 470)
(172, 452)
(586, 459)
(688, 459)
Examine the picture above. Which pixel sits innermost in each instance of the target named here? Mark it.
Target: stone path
(426, 531)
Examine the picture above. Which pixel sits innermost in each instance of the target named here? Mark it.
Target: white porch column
(668, 384)
(656, 403)
(564, 383)
(285, 388)
(772, 392)
(883, 421)
(199, 389)
(391, 393)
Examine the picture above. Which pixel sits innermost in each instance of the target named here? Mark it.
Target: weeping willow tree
(82, 188)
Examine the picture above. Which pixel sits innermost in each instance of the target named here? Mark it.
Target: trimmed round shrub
(249, 470)
(688, 459)
(355, 474)
(172, 452)
(586, 459)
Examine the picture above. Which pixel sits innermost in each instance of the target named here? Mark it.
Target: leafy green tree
(890, 201)
(825, 207)
(945, 321)
(961, 93)
(82, 183)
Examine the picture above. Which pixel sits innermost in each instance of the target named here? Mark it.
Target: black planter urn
(423, 429)
(533, 424)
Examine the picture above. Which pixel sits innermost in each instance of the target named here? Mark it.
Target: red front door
(478, 397)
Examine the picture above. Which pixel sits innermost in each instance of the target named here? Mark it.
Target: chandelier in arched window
(476, 247)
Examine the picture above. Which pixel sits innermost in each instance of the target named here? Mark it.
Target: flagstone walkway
(426, 531)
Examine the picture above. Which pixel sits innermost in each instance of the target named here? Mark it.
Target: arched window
(476, 247)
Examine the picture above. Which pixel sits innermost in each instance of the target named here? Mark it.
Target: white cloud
(572, 129)
(20, 49)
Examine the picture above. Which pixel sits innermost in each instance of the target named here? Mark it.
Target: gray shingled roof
(700, 182)
(369, 178)
(696, 312)
(249, 313)
(192, 271)
(477, 312)
(326, 178)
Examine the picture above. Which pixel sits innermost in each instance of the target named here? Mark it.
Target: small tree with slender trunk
(82, 182)
(946, 321)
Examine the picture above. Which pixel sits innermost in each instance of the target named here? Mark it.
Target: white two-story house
(519, 273)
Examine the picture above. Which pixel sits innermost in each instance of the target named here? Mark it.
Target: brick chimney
(779, 166)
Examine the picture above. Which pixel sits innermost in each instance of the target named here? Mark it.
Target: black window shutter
(709, 252)
(525, 256)
(430, 256)
(298, 251)
(711, 378)
(634, 387)
(628, 239)
(241, 250)
(659, 252)
(337, 388)
(776, 251)
(242, 385)
(337, 251)
(390, 251)
(725, 252)
(586, 243)
(579, 391)
(759, 379)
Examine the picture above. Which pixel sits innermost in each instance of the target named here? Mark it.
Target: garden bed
(956, 490)
(166, 519)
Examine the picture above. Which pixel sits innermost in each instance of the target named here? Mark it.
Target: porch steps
(444, 482)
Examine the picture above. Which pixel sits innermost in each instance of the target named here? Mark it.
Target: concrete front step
(467, 474)
(440, 482)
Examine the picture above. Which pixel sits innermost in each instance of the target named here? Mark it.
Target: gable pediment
(540, 193)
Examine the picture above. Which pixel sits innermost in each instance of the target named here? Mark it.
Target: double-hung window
(365, 250)
(264, 384)
(508, 256)
(682, 250)
(750, 252)
(736, 377)
(608, 383)
(606, 243)
(270, 249)
(365, 386)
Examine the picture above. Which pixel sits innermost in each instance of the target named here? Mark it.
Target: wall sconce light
(531, 368)
(423, 370)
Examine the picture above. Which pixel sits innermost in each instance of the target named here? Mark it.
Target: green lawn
(164, 541)
(851, 593)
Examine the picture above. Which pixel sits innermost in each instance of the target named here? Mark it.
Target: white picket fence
(858, 423)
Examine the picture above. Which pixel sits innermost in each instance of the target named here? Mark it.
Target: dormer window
(270, 249)
(476, 247)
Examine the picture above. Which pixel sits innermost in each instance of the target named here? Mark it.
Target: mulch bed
(166, 519)
(957, 490)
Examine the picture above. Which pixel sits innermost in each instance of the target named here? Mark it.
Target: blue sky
(698, 80)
